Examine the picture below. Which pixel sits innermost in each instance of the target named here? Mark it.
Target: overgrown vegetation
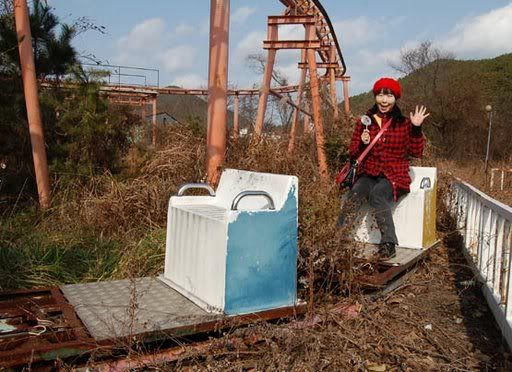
(110, 195)
(83, 133)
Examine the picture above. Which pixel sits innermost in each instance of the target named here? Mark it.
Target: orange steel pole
(306, 118)
(317, 113)
(235, 119)
(143, 117)
(153, 122)
(295, 119)
(272, 35)
(28, 73)
(217, 87)
(332, 78)
(346, 97)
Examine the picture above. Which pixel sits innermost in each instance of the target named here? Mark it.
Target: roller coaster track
(320, 40)
(324, 29)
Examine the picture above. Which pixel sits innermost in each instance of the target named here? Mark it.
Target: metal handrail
(243, 194)
(485, 225)
(189, 186)
(425, 183)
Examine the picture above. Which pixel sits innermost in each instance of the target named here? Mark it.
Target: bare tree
(257, 63)
(416, 58)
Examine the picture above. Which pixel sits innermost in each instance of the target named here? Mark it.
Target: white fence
(503, 172)
(485, 225)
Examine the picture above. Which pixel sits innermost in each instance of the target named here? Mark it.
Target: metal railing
(127, 75)
(485, 225)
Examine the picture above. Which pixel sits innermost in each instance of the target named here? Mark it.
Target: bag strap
(369, 147)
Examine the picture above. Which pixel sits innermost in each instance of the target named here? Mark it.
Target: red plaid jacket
(389, 156)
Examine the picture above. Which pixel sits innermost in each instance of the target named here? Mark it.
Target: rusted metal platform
(403, 255)
(121, 308)
(57, 323)
(379, 274)
(39, 325)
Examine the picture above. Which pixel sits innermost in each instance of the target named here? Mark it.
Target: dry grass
(387, 332)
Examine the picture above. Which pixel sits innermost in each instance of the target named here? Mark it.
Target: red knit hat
(388, 83)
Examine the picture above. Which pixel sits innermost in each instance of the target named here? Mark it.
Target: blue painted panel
(261, 263)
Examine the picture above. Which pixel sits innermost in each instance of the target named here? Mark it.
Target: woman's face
(385, 102)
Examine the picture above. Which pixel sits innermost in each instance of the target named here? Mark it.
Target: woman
(383, 175)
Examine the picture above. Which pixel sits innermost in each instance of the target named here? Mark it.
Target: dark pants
(379, 193)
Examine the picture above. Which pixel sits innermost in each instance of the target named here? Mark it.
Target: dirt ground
(436, 320)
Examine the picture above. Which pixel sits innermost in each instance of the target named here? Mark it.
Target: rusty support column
(217, 87)
(332, 77)
(145, 137)
(236, 129)
(153, 122)
(307, 119)
(317, 109)
(295, 119)
(28, 73)
(346, 97)
(272, 35)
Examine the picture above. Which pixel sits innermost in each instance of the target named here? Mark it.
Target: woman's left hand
(419, 115)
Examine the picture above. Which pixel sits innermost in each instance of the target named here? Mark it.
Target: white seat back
(414, 214)
(233, 182)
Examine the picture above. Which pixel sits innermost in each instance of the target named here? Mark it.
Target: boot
(386, 251)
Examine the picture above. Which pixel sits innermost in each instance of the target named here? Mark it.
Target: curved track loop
(324, 28)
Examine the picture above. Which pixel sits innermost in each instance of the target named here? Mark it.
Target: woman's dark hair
(396, 113)
(385, 91)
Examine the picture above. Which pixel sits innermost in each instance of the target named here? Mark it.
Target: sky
(172, 36)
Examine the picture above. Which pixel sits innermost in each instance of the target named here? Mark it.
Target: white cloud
(147, 36)
(291, 72)
(190, 81)
(178, 58)
(291, 32)
(485, 35)
(356, 31)
(184, 29)
(241, 14)
(251, 44)
(367, 65)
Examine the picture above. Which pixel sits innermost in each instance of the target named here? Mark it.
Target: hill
(187, 108)
(456, 93)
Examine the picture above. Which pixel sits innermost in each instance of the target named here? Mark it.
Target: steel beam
(235, 118)
(153, 122)
(303, 65)
(272, 35)
(307, 119)
(291, 44)
(217, 88)
(291, 20)
(346, 97)
(317, 111)
(332, 85)
(288, 101)
(295, 119)
(28, 73)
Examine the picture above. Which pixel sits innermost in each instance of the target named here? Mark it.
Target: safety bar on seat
(188, 186)
(243, 194)
(425, 183)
